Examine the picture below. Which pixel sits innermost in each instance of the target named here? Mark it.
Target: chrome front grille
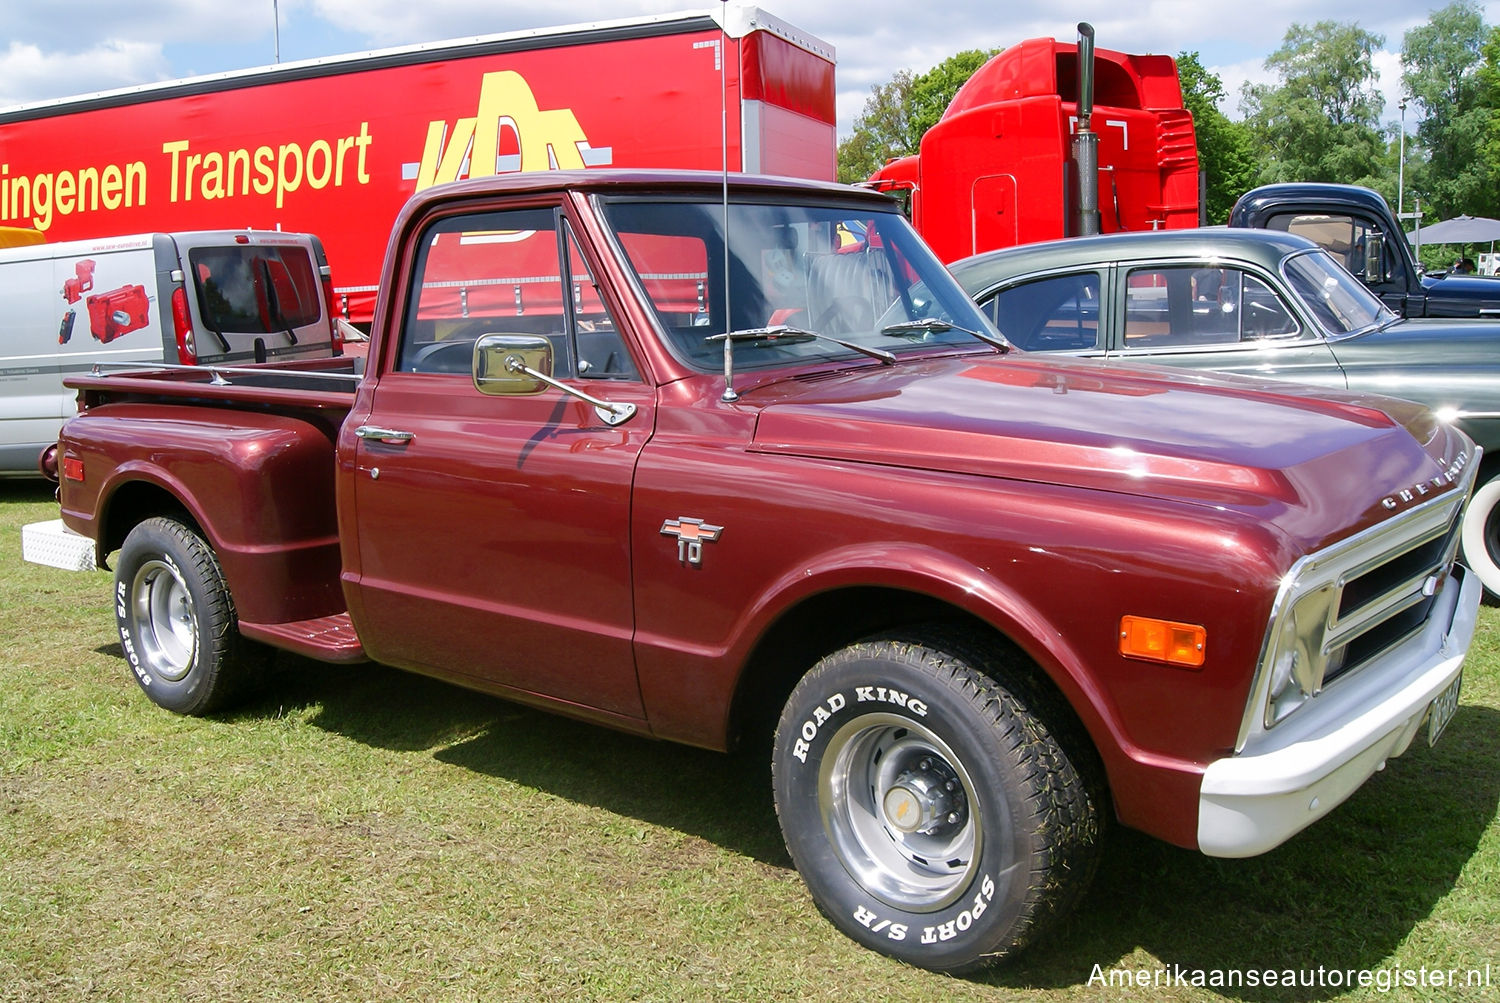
(1345, 606)
(1382, 605)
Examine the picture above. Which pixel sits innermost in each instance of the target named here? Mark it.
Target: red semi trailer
(1017, 157)
(336, 146)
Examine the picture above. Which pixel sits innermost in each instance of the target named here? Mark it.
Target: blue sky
(50, 51)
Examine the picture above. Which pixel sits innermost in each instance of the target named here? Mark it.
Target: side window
(505, 273)
(1055, 314)
(1189, 307)
(1341, 235)
(597, 344)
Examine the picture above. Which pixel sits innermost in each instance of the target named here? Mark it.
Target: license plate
(1442, 710)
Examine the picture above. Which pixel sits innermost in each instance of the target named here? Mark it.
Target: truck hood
(1228, 442)
(1460, 295)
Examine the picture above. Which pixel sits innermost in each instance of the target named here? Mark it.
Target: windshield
(852, 274)
(1341, 303)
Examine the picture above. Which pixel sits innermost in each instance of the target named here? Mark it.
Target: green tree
(1225, 153)
(897, 113)
(933, 91)
(881, 130)
(1322, 122)
(1487, 100)
(1441, 63)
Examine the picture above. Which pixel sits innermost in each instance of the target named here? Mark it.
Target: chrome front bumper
(1288, 777)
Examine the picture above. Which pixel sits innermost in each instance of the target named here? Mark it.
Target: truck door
(494, 532)
(993, 211)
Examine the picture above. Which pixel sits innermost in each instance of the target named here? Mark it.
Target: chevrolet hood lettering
(1452, 473)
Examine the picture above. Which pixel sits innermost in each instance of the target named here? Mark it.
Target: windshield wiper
(797, 336)
(273, 303)
(933, 324)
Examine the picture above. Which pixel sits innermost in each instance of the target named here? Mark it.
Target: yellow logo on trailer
(548, 140)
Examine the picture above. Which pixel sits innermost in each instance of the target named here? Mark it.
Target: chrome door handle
(389, 436)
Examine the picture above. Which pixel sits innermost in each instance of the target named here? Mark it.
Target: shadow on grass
(26, 489)
(723, 799)
(1343, 894)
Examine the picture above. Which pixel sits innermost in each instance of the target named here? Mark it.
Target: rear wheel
(176, 620)
(930, 808)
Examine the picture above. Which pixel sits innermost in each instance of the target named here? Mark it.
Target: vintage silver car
(1257, 302)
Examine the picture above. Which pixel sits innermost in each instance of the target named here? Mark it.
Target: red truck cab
(730, 461)
(995, 171)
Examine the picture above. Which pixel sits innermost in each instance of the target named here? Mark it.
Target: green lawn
(363, 834)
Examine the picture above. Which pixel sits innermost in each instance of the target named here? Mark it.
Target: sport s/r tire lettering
(176, 619)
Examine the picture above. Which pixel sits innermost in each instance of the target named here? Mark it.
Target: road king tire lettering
(820, 717)
(879, 694)
(929, 808)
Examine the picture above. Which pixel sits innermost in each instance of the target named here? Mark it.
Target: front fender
(678, 683)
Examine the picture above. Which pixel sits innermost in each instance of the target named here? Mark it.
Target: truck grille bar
(1347, 605)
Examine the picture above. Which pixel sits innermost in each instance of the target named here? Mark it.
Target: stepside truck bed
(263, 473)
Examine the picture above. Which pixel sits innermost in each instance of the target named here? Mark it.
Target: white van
(227, 296)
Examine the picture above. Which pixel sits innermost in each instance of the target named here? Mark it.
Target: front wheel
(1481, 535)
(930, 809)
(177, 621)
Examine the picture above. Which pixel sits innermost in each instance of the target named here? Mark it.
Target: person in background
(1463, 266)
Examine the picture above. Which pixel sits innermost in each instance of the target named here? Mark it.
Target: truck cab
(1356, 224)
(998, 168)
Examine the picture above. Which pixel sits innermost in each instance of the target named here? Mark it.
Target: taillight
(335, 335)
(182, 324)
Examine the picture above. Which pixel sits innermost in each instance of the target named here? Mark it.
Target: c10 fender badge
(691, 535)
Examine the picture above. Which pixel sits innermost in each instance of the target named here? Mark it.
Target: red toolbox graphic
(83, 281)
(118, 312)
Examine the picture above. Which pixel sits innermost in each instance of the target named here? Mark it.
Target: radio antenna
(729, 395)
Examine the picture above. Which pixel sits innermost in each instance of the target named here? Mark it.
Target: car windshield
(1341, 303)
(802, 281)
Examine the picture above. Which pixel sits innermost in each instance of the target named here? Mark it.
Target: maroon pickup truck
(734, 462)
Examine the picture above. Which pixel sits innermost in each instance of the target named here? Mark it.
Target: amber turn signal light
(1162, 641)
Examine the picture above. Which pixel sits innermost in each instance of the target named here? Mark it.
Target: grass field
(364, 834)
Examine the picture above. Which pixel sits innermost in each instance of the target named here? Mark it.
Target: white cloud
(94, 25)
(399, 22)
(27, 72)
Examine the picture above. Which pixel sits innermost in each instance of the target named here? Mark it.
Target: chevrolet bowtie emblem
(691, 535)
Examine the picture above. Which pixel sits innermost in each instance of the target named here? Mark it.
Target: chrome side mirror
(1375, 257)
(519, 365)
(504, 364)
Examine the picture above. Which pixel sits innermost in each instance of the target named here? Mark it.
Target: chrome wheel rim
(901, 812)
(166, 628)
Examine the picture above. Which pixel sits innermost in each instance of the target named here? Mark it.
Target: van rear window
(254, 289)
